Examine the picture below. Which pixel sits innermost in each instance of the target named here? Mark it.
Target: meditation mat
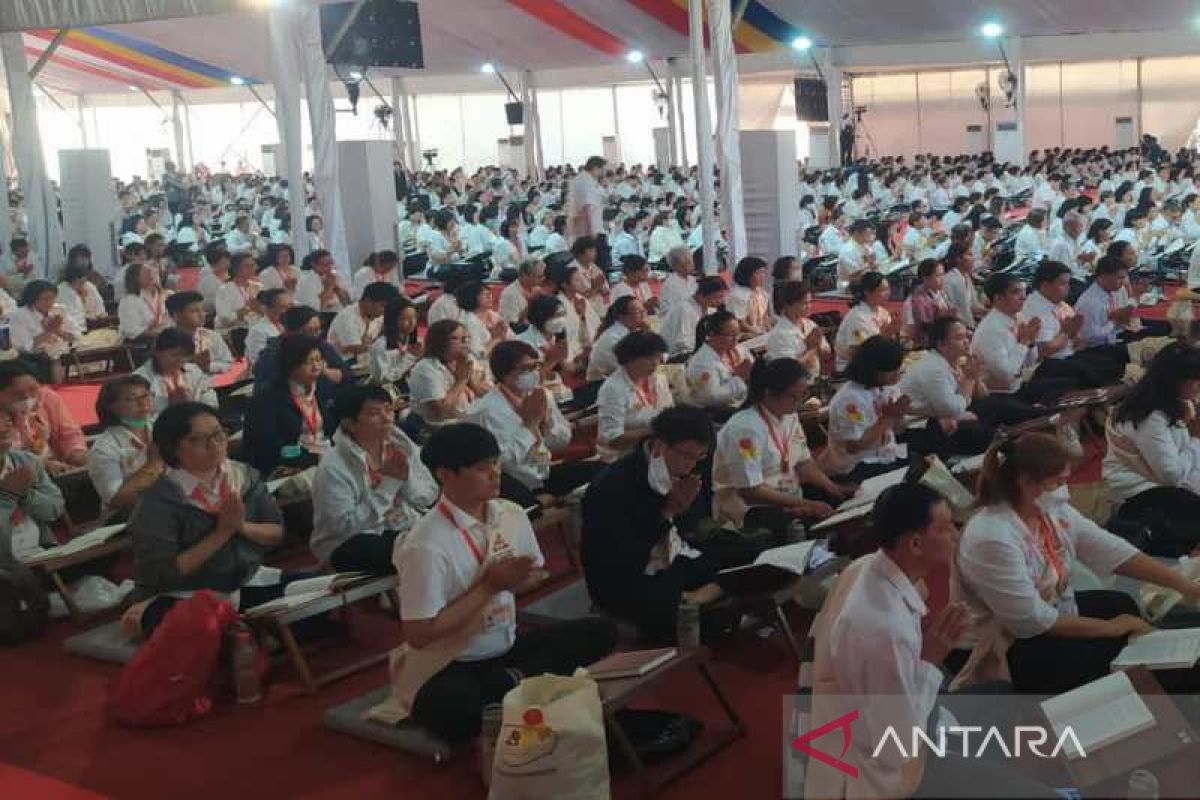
(106, 642)
(350, 718)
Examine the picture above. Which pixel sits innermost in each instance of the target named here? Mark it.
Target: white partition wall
(769, 192)
(89, 207)
(368, 194)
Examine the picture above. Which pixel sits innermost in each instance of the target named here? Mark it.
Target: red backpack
(168, 681)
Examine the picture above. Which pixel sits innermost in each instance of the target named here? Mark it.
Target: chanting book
(1099, 713)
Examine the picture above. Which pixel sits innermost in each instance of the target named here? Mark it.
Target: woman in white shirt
(1031, 239)
(663, 237)
(444, 246)
(556, 242)
(866, 318)
(122, 461)
(795, 335)
(1152, 466)
(41, 329)
(626, 314)
(79, 297)
(633, 395)
(282, 274)
(484, 324)
(583, 321)
(142, 312)
(445, 382)
(315, 226)
(508, 249)
(866, 413)
(398, 349)
(718, 372)
(172, 377)
(748, 300)
(273, 302)
(636, 283)
(1015, 562)
(236, 300)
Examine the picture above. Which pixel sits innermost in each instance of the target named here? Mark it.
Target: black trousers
(777, 519)
(1047, 664)
(863, 470)
(366, 552)
(450, 705)
(1089, 369)
(969, 438)
(1045, 390)
(1170, 513)
(564, 478)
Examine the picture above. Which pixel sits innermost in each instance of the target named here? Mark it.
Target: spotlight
(635, 57)
(237, 80)
(356, 75)
(802, 43)
(992, 30)
(488, 68)
(133, 88)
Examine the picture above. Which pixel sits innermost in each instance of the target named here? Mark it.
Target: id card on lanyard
(495, 548)
(786, 480)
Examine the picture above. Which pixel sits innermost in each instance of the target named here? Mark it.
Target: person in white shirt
(1031, 239)
(19, 267)
(78, 296)
(446, 306)
(282, 272)
(679, 325)
(664, 237)
(764, 475)
(1152, 463)
(583, 321)
(681, 283)
(142, 312)
(444, 246)
(795, 335)
(1067, 248)
(445, 382)
(831, 239)
(585, 201)
(187, 314)
(379, 267)
(121, 461)
(631, 397)
(718, 372)
(1107, 310)
(1058, 333)
(636, 283)
(919, 241)
(856, 256)
(459, 569)
(748, 300)
(214, 274)
(241, 240)
(1015, 562)
(625, 315)
(508, 248)
(370, 487)
(236, 300)
(172, 377)
(514, 299)
(484, 324)
(866, 413)
(398, 349)
(529, 426)
(541, 231)
(476, 238)
(627, 242)
(357, 326)
(866, 318)
(959, 284)
(556, 242)
(319, 287)
(273, 302)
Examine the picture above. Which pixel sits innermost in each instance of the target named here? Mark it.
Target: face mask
(1060, 495)
(556, 325)
(135, 422)
(659, 477)
(28, 405)
(528, 381)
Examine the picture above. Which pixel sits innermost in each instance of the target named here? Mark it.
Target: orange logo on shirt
(854, 413)
(749, 452)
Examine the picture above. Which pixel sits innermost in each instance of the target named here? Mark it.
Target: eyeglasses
(140, 397)
(216, 437)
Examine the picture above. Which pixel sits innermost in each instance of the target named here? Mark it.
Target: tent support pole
(259, 98)
(59, 35)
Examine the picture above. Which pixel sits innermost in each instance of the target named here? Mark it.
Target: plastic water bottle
(246, 678)
(1142, 785)
(687, 624)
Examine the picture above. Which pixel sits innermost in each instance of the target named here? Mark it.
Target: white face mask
(1060, 495)
(556, 325)
(528, 381)
(658, 476)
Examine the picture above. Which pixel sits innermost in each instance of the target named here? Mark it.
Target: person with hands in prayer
(356, 326)
(718, 373)
(29, 499)
(44, 424)
(633, 395)
(123, 461)
(446, 381)
(212, 354)
(172, 376)
(320, 287)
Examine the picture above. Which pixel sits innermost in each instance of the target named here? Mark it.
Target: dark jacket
(164, 524)
(622, 521)
(267, 365)
(273, 422)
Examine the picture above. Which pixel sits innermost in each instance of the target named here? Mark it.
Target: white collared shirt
(679, 326)
(1030, 242)
(349, 328)
(748, 455)
(675, 290)
(1094, 305)
(513, 303)
(207, 341)
(712, 382)
(854, 410)
(603, 359)
(830, 241)
(1004, 357)
(260, 334)
(932, 385)
(231, 299)
(274, 278)
(580, 332)
(643, 291)
(621, 407)
(1051, 315)
(445, 307)
(388, 366)
(116, 453)
(140, 315)
(308, 293)
(79, 308)
(1169, 450)
(346, 502)
(852, 258)
(366, 276)
(523, 455)
(199, 386)
(26, 324)
(749, 305)
(789, 340)
(431, 380)
(207, 286)
(960, 290)
(860, 323)
(436, 566)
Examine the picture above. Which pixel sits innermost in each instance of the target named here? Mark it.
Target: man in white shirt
(830, 241)
(514, 299)
(212, 355)
(681, 283)
(242, 240)
(585, 201)
(856, 256)
(679, 325)
(1058, 339)
(356, 326)
(459, 568)
(1066, 247)
(1031, 239)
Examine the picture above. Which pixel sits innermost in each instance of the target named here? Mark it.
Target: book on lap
(1099, 713)
(1168, 649)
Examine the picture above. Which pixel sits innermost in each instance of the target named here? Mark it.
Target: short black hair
(173, 424)
(457, 446)
(296, 317)
(876, 355)
(507, 354)
(73, 272)
(172, 338)
(349, 402)
(542, 309)
(790, 292)
(1048, 272)
(998, 283)
(682, 424)
(380, 292)
(180, 300)
(583, 243)
(903, 509)
(632, 263)
(267, 297)
(467, 295)
(927, 268)
(710, 284)
(747, 267)
(639, 344)
(939, 331)
(294, 351)
(110, 390)
(1110, 265)
(35, 289)
(774, 377)
(11, 370)
(1117, 249)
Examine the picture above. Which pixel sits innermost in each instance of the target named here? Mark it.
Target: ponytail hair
(773, 377)
(1035, 455)
(710, 323)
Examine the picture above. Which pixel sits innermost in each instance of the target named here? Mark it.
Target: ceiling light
(635, 57)
(488, 68)
(133, 88)
(992, 30)
(237, 80)
(801, 43)
(355, 75)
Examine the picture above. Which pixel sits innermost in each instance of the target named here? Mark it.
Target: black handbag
(658, 735)
(24, 604)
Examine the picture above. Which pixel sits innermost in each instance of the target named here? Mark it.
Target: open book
(1170, 649)
(77, 545)
(298, 593)
(1099, 713)
(1159, 600)
(633, 664)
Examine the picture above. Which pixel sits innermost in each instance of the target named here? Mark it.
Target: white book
(792, 557)
(1099, 713)
(1169, 649)
(297, 593)
(77, 545)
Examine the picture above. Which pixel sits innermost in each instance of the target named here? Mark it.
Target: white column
(833, 103)
(412, 132)
(80, 108)
(616, 121)
(397, 124)
(177, 129)
(530, 127)
(672, 130)
(43, 228)
(729, 149)
(539, 153)
(704, 138)
(676, 88)
(187, 118)
(1016, 58)
(289, 157)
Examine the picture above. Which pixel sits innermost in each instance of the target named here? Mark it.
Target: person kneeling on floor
(460, 567)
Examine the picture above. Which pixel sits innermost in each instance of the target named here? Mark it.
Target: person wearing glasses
(290, 419)
(122, 461)
(445, 382)
(206, 523)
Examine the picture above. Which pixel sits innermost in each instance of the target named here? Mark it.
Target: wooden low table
(617, 694)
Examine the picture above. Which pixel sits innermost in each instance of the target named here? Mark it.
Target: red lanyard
(648, 395)
(730, 358)
(783, 446)
(200, 496)
(449, 515)
(1047, 540)
(154, 308)
(309, 412)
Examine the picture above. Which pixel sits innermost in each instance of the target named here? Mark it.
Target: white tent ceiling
(458, 35)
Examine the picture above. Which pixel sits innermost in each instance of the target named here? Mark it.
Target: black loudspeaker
(386, 33)
(515, 113)
(811, 100)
